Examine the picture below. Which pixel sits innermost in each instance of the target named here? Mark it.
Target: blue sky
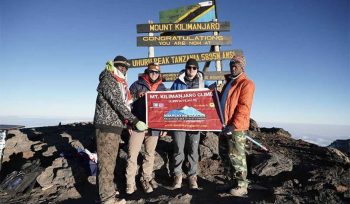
(297, 51)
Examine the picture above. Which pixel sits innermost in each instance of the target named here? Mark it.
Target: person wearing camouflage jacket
(112, 115)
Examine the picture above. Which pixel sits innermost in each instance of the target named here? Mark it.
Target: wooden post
(150, 49)
(218, 63)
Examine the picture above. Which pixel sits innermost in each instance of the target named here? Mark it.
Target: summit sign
(181, 27)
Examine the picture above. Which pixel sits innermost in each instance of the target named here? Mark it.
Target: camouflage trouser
(232, 151)
(107, 151)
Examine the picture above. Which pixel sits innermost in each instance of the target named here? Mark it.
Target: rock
(210, 142)
(271, 164)
(204, 152)
(339, 156)
(342, 145)
(294, 171)
(276, 131)
(253, 125)
(61, 174)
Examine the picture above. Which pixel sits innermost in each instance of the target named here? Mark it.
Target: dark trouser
(232, 151)
(107, 151)
(180, 138)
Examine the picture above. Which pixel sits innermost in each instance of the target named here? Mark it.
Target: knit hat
(121, 60)
(238, 59)
(192, 62)
(153, 66)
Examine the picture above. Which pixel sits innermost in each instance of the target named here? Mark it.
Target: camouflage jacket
(111, 113)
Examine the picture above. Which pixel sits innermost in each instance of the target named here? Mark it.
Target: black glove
(227, 131)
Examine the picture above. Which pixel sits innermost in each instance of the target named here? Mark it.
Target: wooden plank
(180, 59)
(180, 27)
(197, 40)
(211, 76)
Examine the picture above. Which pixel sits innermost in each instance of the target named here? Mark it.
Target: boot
(192, 182)
(130, 189)
(177, 182)
(239, 191)
(146, 186)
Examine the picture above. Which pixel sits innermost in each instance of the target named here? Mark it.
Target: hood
(182, 73)
(104, 74)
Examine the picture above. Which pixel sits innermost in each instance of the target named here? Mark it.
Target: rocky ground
(294, 171)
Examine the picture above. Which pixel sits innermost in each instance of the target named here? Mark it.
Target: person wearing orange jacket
(236, 102)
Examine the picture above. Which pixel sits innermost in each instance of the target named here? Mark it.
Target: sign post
(177, 27)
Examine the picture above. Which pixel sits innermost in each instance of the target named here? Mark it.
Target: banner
(189, 110)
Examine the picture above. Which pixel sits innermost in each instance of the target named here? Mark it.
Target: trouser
(180, 138)
(135, 142)
(107, 151)
(232, 151)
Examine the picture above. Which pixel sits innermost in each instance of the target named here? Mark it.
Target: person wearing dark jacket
(190, 78)
(112, 114)
(150, 81)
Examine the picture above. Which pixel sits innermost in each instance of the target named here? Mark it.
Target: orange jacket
(239, 102)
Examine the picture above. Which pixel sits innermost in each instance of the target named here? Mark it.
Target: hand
(130, 131)
(141, 126)
(141, 94)
(163, 133)
(227, 131)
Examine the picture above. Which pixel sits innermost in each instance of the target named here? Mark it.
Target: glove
(141, 126)
(227, 131)
(141, 94)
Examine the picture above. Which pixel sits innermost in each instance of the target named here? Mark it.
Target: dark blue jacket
(139, 104)
(180, 84)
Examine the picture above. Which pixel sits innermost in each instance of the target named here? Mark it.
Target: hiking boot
(130, 189)
(224, 187)
(146, 186)
(177, 182)
(115, 201)
(153, 183)
(192, 182)
(239, 191)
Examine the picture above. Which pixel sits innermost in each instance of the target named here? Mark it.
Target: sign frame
(181, 40)
(180, 59)
(183, 27)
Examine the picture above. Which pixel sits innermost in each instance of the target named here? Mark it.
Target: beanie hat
(121, 60)
(238, 59)
(192, 62)
(153, 66)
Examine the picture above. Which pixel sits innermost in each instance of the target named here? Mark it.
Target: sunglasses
(153, 72)
(191, 67)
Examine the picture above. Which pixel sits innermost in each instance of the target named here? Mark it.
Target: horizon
(320, 134)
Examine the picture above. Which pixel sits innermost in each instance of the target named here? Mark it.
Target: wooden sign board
(211, 76)
(178, 27)
(180, 59)
(198, 40)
